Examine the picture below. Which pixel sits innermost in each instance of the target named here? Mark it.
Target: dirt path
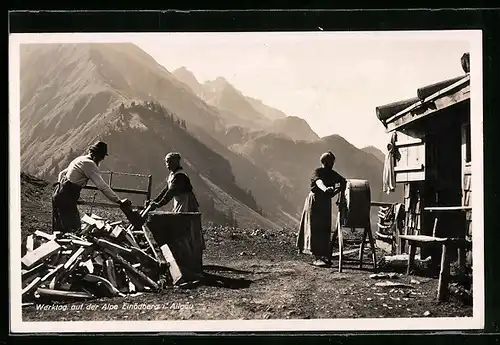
(262, 289)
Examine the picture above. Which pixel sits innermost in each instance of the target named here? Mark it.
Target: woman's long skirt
(315, 226)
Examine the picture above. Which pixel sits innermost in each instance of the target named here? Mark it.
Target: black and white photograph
(246, 181)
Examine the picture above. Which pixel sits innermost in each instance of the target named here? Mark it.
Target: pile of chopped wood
(104, 259)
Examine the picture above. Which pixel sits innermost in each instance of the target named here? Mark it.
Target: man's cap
(99, 147)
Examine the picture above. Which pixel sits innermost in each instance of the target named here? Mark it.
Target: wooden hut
(434, 161)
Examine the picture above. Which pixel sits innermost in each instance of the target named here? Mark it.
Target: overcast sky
(334, 82)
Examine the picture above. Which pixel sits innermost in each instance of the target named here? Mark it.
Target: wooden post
(372, 245)
(442, 293)
(148, 195)
(411, 256)
(434, 228)
(362, 248)
(341, 243)
(110, 178)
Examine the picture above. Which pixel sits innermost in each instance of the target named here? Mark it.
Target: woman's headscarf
(173, 155)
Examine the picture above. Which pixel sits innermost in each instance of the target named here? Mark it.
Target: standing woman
(178, 189)
(191, 243)
(316, 224)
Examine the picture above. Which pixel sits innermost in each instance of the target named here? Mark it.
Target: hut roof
(391, 112)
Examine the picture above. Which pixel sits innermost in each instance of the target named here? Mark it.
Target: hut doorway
(444, 183)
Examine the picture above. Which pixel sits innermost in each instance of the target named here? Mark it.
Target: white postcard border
(17, 325)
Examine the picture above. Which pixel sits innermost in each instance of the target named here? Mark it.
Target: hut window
(467, 138)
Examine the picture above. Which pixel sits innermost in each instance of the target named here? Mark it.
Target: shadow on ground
(215, 280)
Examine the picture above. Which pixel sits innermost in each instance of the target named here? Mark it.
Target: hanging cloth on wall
(389, 175)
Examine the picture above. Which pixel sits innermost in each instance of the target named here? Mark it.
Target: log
(386, 111)
(30, 244)
(144, 257)
(58, 294)
(117, 231)
(91, 278)
(52, 273)
(88, 220)
(112, 246)
(54, 261)
(74, 257)
(73, 241)
(41, 253)
(99, 260)
(110, 272)
(31, 271)
(70, 266)
(81, 243)
(136, 283)
(130, 238)
(45, 235)
(158, 253)
(89, 265)
(119, 259)
(175, 271)
(345, 252)
(31, 287)
(429, 90)
(99, 224)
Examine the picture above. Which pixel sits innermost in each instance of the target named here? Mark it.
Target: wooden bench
(446, 244)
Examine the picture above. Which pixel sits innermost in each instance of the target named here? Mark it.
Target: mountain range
(247, 161)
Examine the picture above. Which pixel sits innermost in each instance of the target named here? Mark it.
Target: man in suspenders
(65, 215)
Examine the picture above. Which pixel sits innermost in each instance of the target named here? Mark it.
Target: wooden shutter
(411, 166)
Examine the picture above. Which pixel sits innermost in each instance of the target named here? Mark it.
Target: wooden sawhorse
(367, 232)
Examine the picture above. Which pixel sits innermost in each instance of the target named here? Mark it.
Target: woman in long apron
(316, 223)
(180, 191)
